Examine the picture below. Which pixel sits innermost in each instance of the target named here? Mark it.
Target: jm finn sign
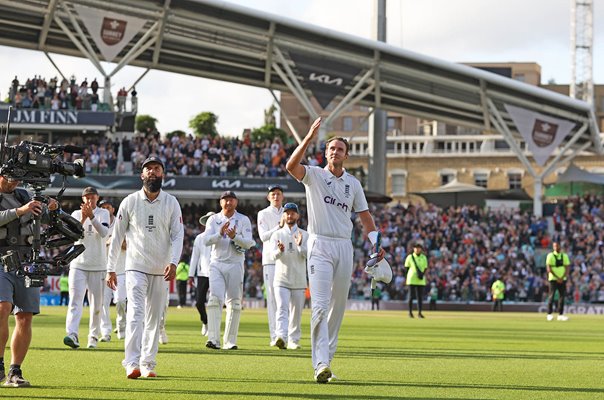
(59, 117)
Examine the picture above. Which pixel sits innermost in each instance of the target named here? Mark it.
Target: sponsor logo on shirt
(335, 202)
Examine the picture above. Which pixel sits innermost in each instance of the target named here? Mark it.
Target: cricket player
(289, 250)
(151, 222)
(230, 235)
(87, 271)
(200, 267)
(118, 295)
(269, 220)
(332, 195)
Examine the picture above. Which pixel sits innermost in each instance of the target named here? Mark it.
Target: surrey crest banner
(110, 31)
(542, 133)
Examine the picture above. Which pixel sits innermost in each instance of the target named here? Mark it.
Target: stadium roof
(219, 40)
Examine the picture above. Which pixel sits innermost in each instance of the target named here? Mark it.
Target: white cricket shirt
(200, 258)
(290, 265)
(330, 201)
(120, 267)
(153, 231)
(268, 223)
(94, 258)
(224, 249)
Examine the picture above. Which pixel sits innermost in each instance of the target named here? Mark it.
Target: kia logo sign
(325, 79)
(226, 184)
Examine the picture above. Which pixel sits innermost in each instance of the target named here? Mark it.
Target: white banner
(542, 133)
(111, 32)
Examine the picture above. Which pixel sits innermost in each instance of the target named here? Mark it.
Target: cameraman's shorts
(13, 290)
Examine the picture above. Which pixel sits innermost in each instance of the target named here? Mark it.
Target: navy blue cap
(153, 159)
(228, 193)
(103, 202)
(275, 187)
(291, 206)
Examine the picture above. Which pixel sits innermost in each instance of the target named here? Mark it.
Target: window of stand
(515, 180)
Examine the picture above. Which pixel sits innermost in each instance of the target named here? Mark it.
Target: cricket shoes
(106, 338)
(273, 343)
(550, 317)
(71, 340)
(133, 372)
(121, 335)
(322, 373)
(230, 347)
(293, 346)
(163, 336)
(332, 378)
(562, 318)
(212, 345)
(15, 379)
(148, 372)
(92, 342)
(280, 343)
(204, 330)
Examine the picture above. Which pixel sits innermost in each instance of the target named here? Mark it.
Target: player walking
(331, 194)
(289, 251)
(230, 235)
(200, 267)
(151, 221)
(269, 221)
(88, 270)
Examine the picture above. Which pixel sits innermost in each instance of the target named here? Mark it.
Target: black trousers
(416, 291)
(498, 304)
(182, 292)
(203, 285)
(561, 288)
(64, 300)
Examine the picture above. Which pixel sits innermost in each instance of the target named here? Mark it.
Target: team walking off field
(132, 253)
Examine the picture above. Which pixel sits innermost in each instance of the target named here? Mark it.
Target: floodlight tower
(581, 40)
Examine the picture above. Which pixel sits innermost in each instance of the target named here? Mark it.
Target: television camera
(34, 163)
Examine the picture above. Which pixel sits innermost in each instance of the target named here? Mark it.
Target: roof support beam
(161, 30)
(485, 107)
(291, 81)
(287, 120)
(55, 65)
(92, 53)
(48, 17)
(79, 45)
(269, 56)
(140, 47)
(346, 101)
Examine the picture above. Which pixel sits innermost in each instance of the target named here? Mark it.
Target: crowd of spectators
(468, 248)
(40, 93)
(191, 156)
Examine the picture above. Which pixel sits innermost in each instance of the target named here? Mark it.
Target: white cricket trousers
(146, 302)
(290, 303)
(226, 285)
(119, 297)
(268, 272)
(329, 272)
(79, 281)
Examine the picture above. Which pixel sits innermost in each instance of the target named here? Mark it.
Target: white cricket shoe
(550, 317)
(273, 343)
(148, 372)
(322, 374)
(92, 342)
(121, 335)
(204, 330)
(293, 346)
(163, 336)
(332, 378)
(106, 338)
(562, 318)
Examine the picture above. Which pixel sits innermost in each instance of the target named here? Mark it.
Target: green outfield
(381, 355)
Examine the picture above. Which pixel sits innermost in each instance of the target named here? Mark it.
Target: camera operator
(16, 217)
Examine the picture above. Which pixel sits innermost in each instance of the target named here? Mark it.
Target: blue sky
(453, 30)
